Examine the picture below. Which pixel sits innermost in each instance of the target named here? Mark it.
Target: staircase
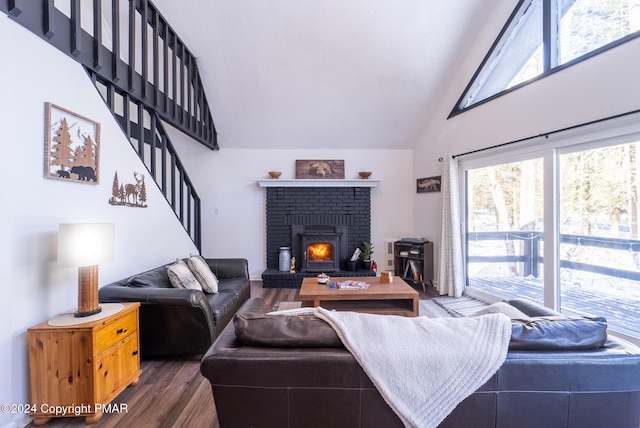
(145, 74)
(148, 137)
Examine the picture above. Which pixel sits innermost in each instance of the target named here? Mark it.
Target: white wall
(33, 288)
(602, 86)
(233, 205)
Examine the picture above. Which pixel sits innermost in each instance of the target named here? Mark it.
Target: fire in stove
(320, 252)
(319, 248)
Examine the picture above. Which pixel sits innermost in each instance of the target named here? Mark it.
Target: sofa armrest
(162, 296)
(172, 321)
(229, 268)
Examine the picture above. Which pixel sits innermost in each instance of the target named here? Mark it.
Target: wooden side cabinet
(413, 262)
(80, 368)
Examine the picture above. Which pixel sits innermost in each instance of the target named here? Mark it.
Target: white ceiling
(325, 74)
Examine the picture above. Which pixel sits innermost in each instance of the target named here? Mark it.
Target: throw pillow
(558, 333)
(181, 277)
(203, 274)
(156, 278)
(502, 308)
(285, 331)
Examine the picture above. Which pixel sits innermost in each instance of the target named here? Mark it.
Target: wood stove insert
(319, 248)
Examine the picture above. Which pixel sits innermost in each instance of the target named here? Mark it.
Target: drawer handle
(120, 331)
(134, 352)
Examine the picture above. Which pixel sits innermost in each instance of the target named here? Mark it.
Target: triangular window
(544, 36)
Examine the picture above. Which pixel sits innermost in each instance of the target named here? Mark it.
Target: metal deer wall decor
(129, 194)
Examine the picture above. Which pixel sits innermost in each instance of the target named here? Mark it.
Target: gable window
(544, 36)
(559, 223)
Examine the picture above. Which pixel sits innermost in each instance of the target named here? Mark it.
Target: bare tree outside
(590, 24)
(584, 26)
(506, 198)
(599, 240)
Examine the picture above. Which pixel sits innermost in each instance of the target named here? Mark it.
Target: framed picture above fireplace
(332, 169)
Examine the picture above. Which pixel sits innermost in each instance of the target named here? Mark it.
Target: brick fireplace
(322, 225)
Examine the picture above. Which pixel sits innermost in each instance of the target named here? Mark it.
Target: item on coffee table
(386, 277)
(323, 278)
(353, 285)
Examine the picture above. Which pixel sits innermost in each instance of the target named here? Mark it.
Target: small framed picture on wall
(428, 184)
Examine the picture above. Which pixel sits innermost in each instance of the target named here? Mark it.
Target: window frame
(549, 147)
(550, 45)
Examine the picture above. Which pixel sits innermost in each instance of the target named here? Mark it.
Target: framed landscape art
(71, 146)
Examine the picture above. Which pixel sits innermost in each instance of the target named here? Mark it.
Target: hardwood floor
(171, 391)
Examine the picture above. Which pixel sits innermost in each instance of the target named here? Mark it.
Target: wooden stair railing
(130, 44)
(149, 139)
(144, 72)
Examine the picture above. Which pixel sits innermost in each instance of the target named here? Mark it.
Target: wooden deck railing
(532, 259)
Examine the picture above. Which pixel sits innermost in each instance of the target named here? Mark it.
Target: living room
(233, 217)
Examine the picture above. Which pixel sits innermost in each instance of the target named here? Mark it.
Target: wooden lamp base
(87, 291)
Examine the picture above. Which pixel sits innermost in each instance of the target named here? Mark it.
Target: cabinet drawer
(117, 330)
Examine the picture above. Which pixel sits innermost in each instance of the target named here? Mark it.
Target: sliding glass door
(599, 246)
(578, 201)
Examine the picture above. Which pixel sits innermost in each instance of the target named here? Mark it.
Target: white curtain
(450, 278)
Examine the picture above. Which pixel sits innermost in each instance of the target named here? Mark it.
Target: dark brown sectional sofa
(280, 385)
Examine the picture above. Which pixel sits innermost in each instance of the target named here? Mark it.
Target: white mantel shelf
(318, 182)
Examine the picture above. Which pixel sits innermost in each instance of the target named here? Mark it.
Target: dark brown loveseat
(179, 321)
(325, 386)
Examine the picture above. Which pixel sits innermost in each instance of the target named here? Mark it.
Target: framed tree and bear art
(72, 146)
(72, 153)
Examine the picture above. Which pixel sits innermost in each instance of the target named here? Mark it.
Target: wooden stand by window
(413, 262)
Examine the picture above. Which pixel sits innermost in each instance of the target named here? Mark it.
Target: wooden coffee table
(395, 298)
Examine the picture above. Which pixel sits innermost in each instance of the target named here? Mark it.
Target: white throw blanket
(424, 367)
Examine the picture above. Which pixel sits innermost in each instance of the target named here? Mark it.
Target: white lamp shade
(85, 244)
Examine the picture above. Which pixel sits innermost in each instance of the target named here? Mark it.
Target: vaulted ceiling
(329, 73)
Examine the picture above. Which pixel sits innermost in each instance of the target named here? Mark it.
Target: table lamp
(85, 245)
